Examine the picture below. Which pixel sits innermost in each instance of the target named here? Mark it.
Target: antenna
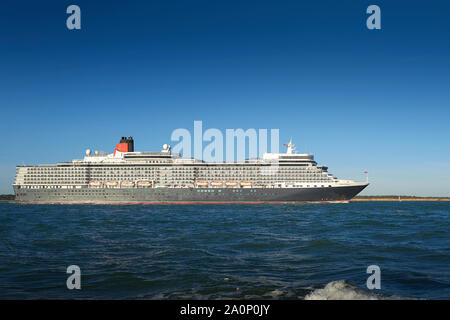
(290, 147)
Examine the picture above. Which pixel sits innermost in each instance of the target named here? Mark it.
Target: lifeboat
(112, 183)
(202, 183)
(127, 184)
(217, 183)
(246, 183)
(95, 183)
(231, 183)
(144, 183)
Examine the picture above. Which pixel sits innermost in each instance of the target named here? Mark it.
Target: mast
(290, 147)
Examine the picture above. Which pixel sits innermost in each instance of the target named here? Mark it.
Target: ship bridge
(290, 157)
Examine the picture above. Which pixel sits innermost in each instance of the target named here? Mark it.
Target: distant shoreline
(399, 198)
(6, 197)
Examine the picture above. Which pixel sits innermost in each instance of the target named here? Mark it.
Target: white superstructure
(167, 169)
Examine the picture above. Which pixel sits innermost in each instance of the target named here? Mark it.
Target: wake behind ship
(126, 176)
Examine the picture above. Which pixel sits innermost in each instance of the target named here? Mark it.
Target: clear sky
(359, 99)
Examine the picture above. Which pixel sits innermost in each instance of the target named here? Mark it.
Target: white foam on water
(275, 293)
(341, 290)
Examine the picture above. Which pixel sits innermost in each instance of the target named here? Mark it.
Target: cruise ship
(126, 176)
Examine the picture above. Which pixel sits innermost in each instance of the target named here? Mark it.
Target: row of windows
(102, 191)
(178, 175)
(171, 175)
(176, 168)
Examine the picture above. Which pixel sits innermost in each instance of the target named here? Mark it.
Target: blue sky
(359, 99)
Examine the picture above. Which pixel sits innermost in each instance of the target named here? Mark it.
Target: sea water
(302, 251)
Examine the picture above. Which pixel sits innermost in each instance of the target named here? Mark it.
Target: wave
(341, 290)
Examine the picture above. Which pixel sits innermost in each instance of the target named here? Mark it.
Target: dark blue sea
(313, 251)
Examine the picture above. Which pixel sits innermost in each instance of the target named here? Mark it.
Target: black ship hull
(189, 195)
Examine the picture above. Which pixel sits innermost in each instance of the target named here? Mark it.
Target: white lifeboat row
(205, 184)
(121, 184)
(149, 184)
